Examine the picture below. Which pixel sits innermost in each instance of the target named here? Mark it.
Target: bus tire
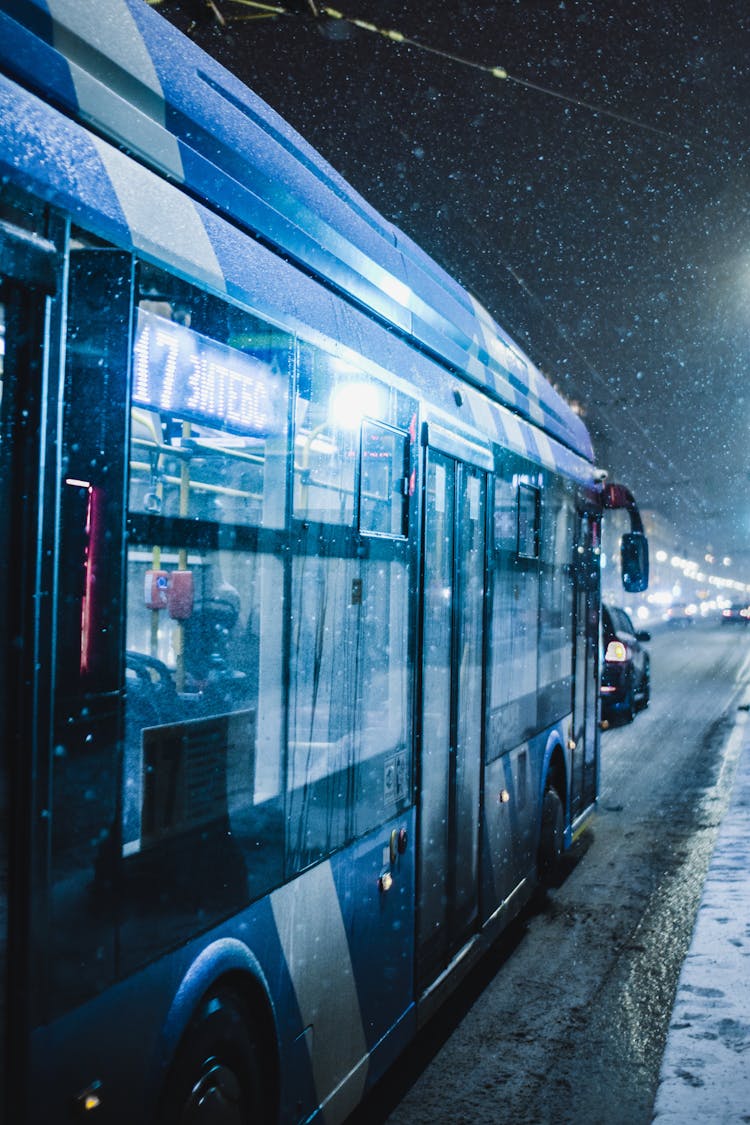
(216, 1077)
(551, 836)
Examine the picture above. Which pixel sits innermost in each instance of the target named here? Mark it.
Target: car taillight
(616, 652)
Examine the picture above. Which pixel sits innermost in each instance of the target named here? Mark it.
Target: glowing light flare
(351, 402)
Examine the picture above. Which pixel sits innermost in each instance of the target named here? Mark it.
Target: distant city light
(660, 597)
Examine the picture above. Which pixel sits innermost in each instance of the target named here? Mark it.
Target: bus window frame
(377, 424)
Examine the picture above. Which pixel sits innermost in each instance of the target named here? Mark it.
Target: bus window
(202, 732)
(556, 604)
(209, 416)
(202, 786)
(331, 401)
(333, 405)
(515, 615)
(528, 521)
(88, 634)
(349, 767)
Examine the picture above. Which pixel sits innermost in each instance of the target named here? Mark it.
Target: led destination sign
(179, 371)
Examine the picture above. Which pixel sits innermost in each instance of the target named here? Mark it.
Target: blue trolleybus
(299, 601)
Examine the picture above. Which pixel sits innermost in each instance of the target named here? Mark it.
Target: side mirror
(634, 562)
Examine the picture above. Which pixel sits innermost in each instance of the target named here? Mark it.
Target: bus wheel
(551, 837)
(216, 1077)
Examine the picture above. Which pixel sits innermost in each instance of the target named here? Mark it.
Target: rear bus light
(616, 652)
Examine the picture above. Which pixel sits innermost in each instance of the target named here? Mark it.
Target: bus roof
(122, 69)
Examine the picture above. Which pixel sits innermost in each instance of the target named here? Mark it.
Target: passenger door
(452, 709)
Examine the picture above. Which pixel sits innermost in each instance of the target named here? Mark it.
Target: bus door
(27, 271)
(584, 779)
(453, 567)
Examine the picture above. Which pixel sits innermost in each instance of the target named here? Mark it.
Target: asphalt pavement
(705, 1072)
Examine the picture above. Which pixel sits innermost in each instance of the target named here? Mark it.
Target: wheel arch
(554, 771)
(553, 822)
(224, 963)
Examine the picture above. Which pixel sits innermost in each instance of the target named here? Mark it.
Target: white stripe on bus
(313, 937)
(162, 221)
(115, 33)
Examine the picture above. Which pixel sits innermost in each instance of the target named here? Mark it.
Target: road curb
(705, 1072)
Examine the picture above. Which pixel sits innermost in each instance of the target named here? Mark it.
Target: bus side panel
(94, 1047)
(509, 823)
(346, 928)
(380, 924)
(336, 952)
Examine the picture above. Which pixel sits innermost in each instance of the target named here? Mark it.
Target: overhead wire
(322, 11)
(494, 71)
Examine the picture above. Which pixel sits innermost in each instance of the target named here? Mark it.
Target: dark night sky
(619, 258)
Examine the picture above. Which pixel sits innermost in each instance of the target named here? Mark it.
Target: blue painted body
(380, 933)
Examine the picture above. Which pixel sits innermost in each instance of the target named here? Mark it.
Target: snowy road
(567, 1018)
